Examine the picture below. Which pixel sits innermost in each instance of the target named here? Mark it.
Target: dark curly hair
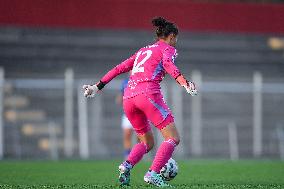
(164, 27)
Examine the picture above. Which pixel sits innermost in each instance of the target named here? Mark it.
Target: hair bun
(163, 27)
(159, 22)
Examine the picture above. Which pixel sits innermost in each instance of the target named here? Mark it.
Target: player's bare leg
(170, 132)
(144, 146)
(163, 154)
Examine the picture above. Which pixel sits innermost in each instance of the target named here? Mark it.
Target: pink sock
(163, 154)
(137, 153)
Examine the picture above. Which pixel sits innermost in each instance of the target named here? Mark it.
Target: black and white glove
(189, 86)
(90, 90)
(191, 89)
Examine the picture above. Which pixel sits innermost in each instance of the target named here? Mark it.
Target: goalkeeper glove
(91, 90)
(189, 86)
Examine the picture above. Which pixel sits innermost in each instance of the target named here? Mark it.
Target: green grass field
(103, 174)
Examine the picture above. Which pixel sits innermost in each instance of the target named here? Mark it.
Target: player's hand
(190, 88)
(90, 90)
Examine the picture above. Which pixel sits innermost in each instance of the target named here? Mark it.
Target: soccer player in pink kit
(143, 100)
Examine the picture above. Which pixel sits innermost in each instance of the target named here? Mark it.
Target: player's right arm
(125, 66)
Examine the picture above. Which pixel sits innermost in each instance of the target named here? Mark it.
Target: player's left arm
(169, 56)
(125, 66)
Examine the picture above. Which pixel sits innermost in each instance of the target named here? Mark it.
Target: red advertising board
(137, 14)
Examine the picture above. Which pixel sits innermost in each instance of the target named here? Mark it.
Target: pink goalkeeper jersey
(148, 67)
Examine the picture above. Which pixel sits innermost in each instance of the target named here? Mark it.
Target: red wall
(226, 17)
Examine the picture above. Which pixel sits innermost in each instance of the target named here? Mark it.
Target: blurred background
(233, 50)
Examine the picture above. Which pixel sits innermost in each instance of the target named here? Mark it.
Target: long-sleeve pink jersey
(148, 67)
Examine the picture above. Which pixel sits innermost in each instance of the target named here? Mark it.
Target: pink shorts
(144, 107)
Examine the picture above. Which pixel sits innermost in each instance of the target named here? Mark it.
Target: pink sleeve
(169, 56)
(123, 67)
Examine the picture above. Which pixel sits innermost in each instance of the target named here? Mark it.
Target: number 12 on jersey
(138, 66)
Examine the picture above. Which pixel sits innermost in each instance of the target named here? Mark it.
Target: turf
(103, 174)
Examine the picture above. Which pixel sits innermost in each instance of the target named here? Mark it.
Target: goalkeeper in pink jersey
(143, 100)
